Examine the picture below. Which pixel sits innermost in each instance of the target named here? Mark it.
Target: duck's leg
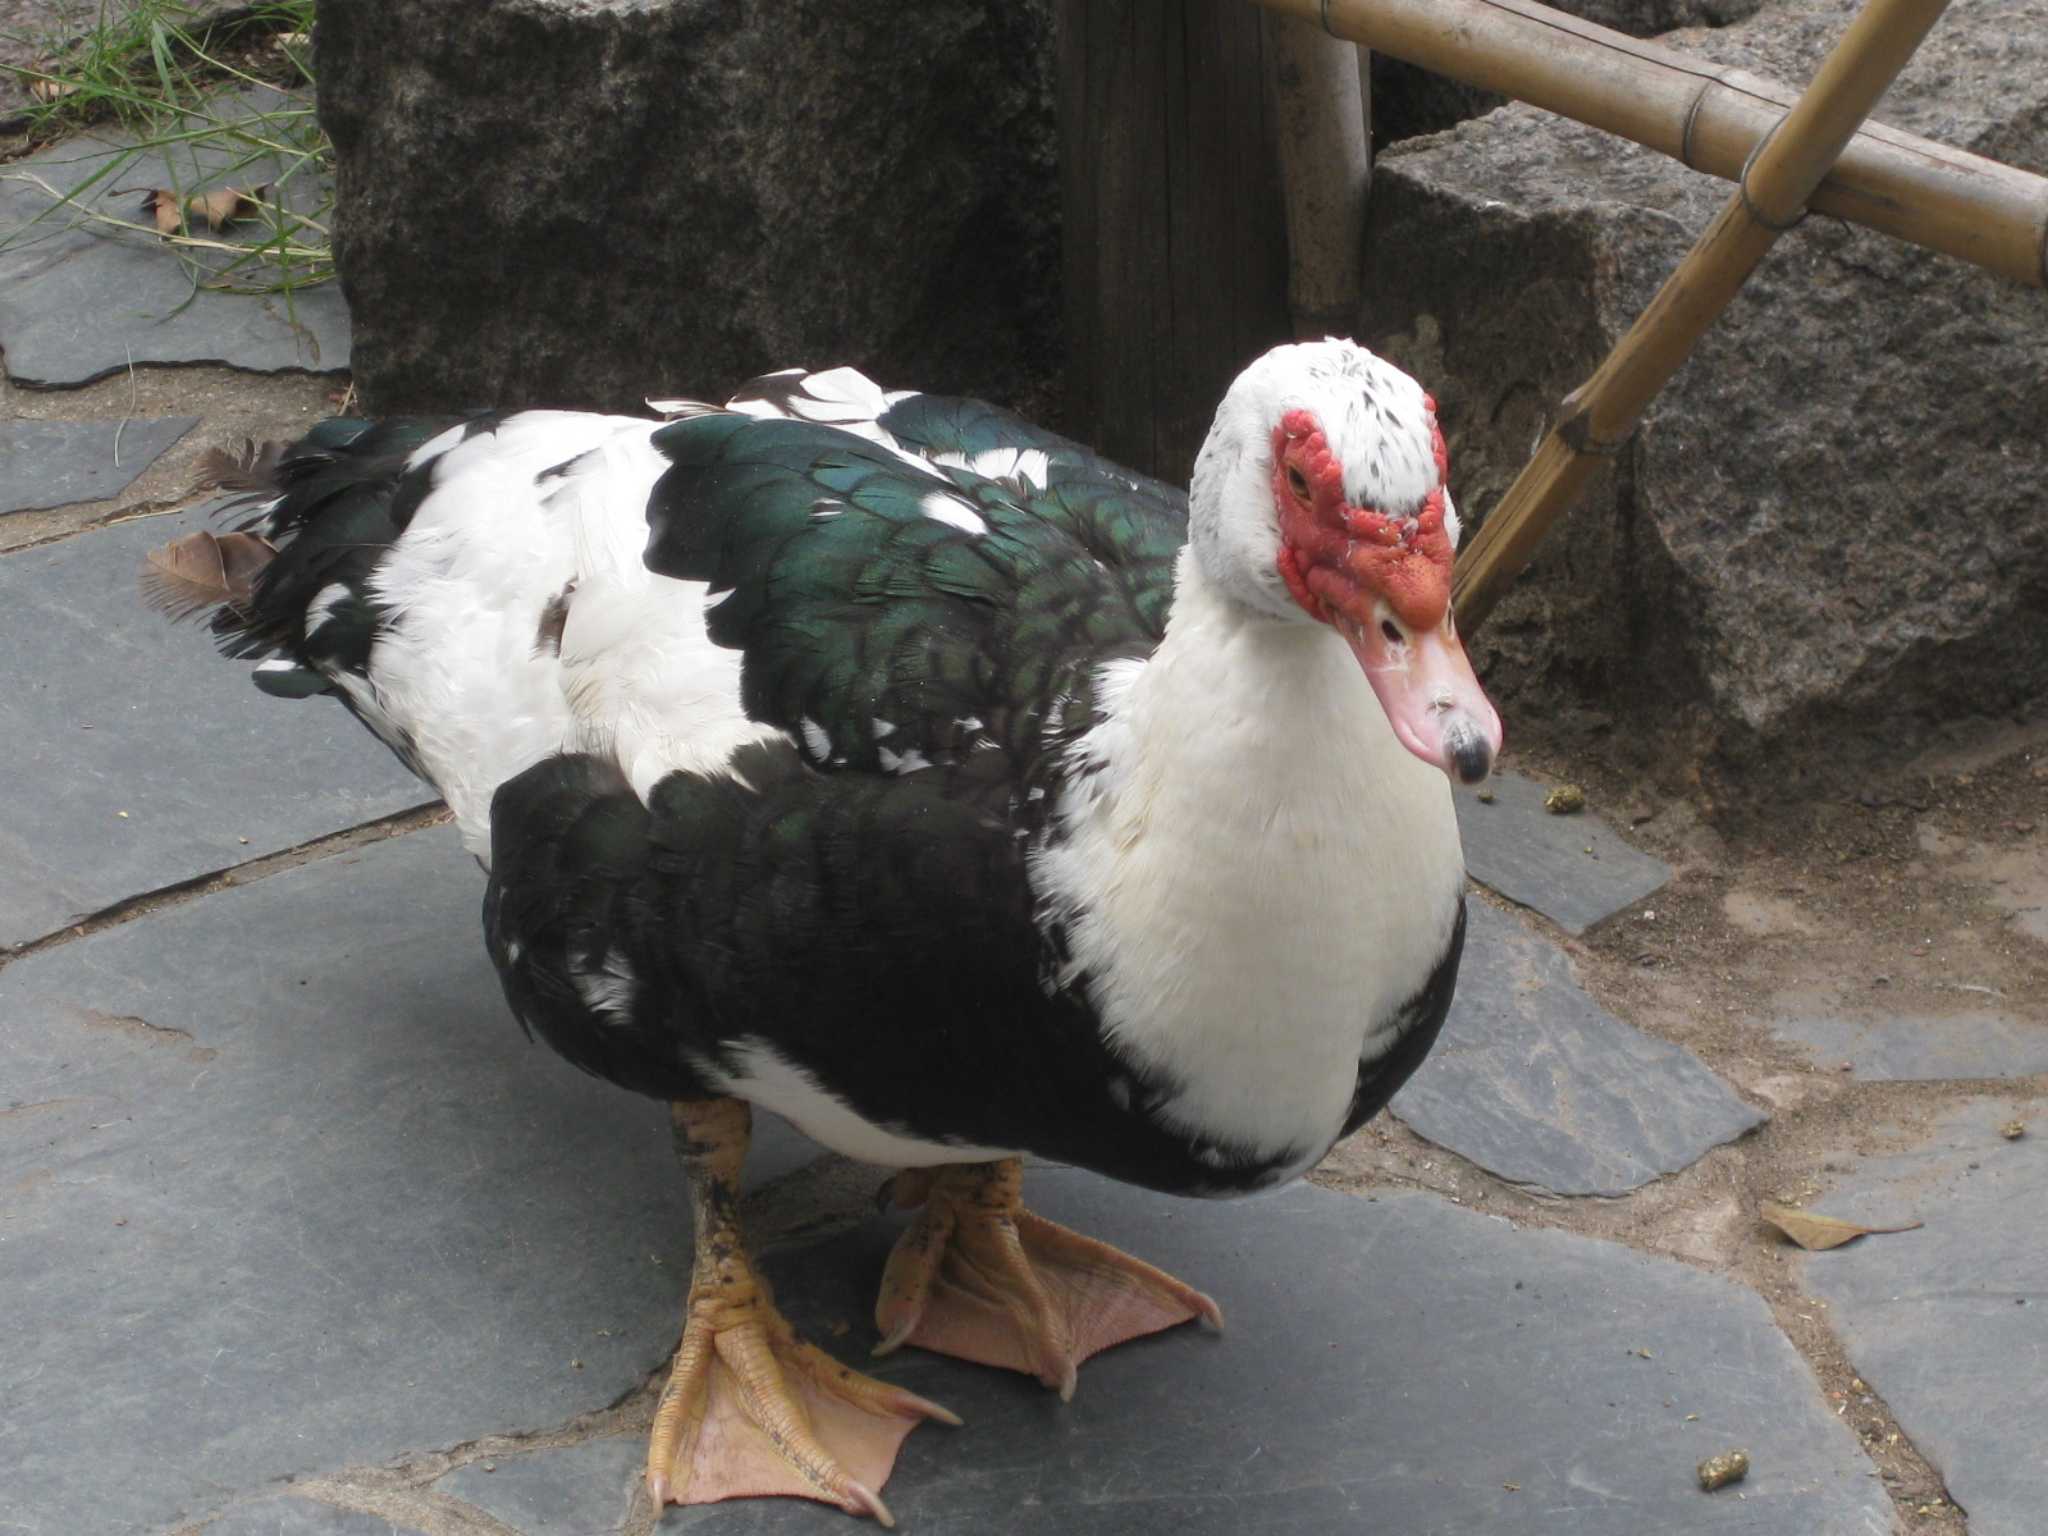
(750, 1408)
(979, 1276)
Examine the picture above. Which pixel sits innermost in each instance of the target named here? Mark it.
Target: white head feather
(1377, 421)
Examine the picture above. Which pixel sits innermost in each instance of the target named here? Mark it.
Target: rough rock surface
(1827, 536)
(583, 203)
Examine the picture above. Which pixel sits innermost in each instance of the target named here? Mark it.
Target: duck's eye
(1297, 482)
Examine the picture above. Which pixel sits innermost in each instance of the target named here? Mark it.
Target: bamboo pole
(1769, 199)
(1320, 87)
(1709, 118)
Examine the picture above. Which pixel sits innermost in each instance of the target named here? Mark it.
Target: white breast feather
(1253, 875)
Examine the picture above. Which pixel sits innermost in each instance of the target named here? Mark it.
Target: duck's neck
(1256, 874)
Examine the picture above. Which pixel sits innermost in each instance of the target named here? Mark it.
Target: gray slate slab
(302, 1517)
(573, 1490)
(1388, 1366)
(283, 1189)
(1536, 1082)
(78, 303)
(1916, 1046)
(1515, 847)
(1950, 1322)
(58, 463)
(105, 706)
(287, 1192)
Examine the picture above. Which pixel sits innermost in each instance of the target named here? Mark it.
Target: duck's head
(1320, 497)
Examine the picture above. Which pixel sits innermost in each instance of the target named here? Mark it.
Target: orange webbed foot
(978, 1276)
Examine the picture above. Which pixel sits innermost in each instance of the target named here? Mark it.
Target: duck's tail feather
(289, 585)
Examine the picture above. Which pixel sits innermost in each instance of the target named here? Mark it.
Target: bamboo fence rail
(1770, 194)
(1709, 118)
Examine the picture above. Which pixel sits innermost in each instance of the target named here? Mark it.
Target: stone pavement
(299, 1235)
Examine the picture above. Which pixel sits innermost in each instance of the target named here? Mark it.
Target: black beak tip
(1472, 761)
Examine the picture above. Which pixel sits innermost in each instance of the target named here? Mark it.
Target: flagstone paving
(57, 463)
(78, 301)
(1950, 1322)
(137, 758)
(1573, 868)
(1537, 1083)
(330, 1207)
(1908, 1045)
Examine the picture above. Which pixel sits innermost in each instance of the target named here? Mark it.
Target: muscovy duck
(914, 773)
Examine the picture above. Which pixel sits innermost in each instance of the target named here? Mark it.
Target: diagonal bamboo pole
(1710, 118)
(1769, 199)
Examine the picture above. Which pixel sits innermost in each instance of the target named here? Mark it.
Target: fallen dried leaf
(1565, 800)
(1719, 1471)
(1816, 1233)
(213, 210)
(2013, 1130)
(51, 90)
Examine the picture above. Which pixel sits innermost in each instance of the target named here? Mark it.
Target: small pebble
(1720, 1471)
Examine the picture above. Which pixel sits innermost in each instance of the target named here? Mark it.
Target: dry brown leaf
(205, 570)
(1816, 1233)
(213, 210)
(51, 90)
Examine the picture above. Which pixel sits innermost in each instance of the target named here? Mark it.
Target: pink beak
(1432, 700)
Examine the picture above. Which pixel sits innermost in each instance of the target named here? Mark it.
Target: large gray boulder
(1827, 541)
(584, 202)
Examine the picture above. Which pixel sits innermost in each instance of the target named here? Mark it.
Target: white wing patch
(1027, 468)
(951, 509)
(607, 991)
(901, 762)
(461, 679)
(325, 601)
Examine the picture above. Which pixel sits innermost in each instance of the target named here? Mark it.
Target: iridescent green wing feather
(892, 614)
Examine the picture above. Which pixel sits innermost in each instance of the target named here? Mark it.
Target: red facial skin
(1337, 558)
(1342, 562)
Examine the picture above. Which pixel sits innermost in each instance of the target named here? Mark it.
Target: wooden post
(1175, 230)
(1322, 107)
(1768, 200)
